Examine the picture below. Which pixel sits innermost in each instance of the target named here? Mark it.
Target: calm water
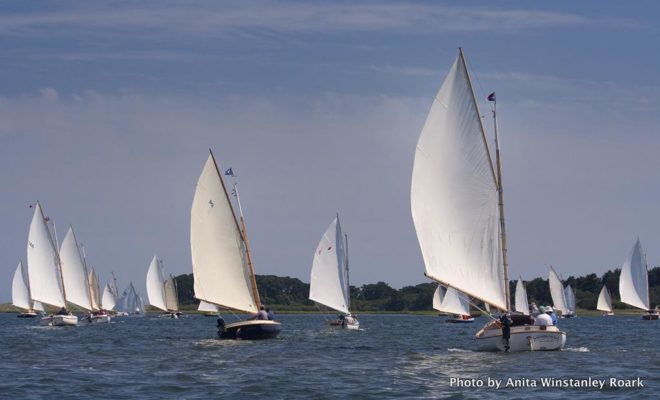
(394, 356)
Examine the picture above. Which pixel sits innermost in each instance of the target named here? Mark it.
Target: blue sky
(107, 110)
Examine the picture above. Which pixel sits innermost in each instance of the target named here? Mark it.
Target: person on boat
(542, 319)
(550, 312)
(533, 309)
(506, 322)
(62, 311)
(261, 315)
(271, 315)
(221, 325)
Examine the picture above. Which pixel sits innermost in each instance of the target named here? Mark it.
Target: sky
(108, 110)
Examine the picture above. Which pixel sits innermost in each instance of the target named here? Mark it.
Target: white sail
(451, 301)
(207, 307)
(604, 300)
(74, 273)
(454, 196)
(93, 282)
(569, 295)
(139, 304)
(37, 306)
(521, 298)
(156, 285)
(20, 293)
(171, 299)
(124, 301)
(43, 263)
(634, 279)
(218, 251)
(108, 300)
(557, 292)
(328, 282)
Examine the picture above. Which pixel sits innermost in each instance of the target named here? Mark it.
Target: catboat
(45, 271)
(329, 283)
(605, 302)
(458, 211)
(20, 295)
(634, 283)
(161, 290)
(452, 302)
(221, 258)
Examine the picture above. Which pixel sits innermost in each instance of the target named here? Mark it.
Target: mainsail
(454, 195)
(171, 298)
(634, 279)
(20, 292)
(43, 263)
(451, 301)
(219, 258)
(108, 300)
(74, 273)
(94, 290)
(207, 307)
(156, 285)
(557, 292)
(521, 298)
(604, 300)
(328, 284)
(129, 301)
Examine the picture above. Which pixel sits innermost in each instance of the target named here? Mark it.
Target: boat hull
(250, 330)
(523, 338)
(59, 320)
(650, 317)
(27, 315)
(459, 320)
(353, 325)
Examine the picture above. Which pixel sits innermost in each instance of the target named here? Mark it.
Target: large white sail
(454, 196)
(20, 292)
(171, 298)
(569, 295)
(557, 292)
(74, 273)
(521, 298)
(451, 301)
(156, 285)
(108, 300)
(94, 291)
(207, 307)
(218, 251)
(328, 282)
(604, 300)
(634, 279)
(43, 263)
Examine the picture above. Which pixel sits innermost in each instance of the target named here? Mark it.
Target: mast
(348, 284)
(57, 252)
(500, 195)
(497, 176)
(90, 293)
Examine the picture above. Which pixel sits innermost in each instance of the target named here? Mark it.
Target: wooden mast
(57, 251)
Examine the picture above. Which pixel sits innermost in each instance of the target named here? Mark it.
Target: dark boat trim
(250, 330)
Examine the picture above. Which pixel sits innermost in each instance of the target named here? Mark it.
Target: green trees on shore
(290, 294)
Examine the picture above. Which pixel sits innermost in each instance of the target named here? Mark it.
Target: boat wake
(578, 349)
(453, 350)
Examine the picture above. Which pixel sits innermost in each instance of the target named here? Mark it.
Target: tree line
(290, 294)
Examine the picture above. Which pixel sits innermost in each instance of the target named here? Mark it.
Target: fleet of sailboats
(458, 211)
(329, 283)
(221, 259)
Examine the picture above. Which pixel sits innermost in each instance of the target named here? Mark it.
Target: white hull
(59, 320)
(523, 338)
(99, 319)
(352, 326)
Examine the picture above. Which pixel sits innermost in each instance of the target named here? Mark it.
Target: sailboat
(329, 284)
(605, 302)
(569, 295)
(221, 258)
(130, 302)
(450, 300)
(20, 295)
(161, 290)
(45, 271)
(108, 300)
(521, 304)
(634, 282)
(208, 309)
(99, 314)
(458, 212)
(557, 292)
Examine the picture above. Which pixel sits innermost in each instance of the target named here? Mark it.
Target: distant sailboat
(451, 301)
(130, 302)
(161, 290)
(108, 300)
(557, 292)
(221, 258)
(45, 271)
(522, 306)
(634, 282)
(605, 301)
(329, 284)
(20, 295)
(569, 295)
(457, 208)
(210, 310)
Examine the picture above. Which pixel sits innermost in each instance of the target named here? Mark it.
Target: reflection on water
(392, 356)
